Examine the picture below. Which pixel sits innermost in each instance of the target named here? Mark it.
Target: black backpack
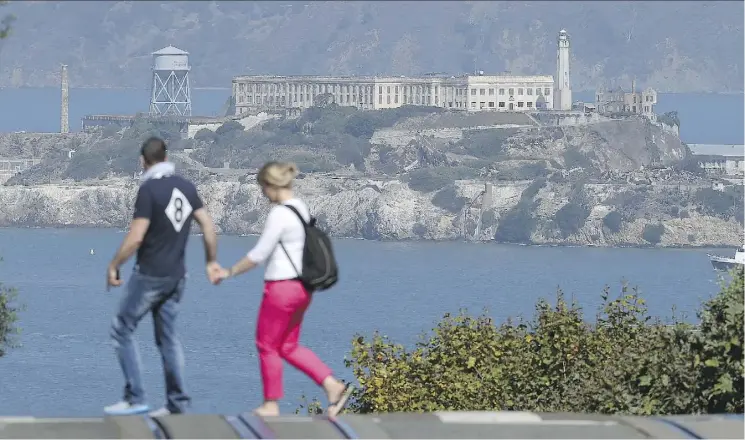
(319, 265)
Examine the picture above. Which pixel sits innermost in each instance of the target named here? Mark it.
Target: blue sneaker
(126, 409)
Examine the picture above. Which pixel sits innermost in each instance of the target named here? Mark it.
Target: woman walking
(285, 297)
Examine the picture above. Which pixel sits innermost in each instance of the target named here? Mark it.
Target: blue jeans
(161, 297)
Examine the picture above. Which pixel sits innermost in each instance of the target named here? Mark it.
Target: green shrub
(613, 221)
(616, 361)
(515, 226)
(723, 204)
(718, 350)
(528, 171)
(8, 318)
(653, 233)
(206, 135)
(570, 218)
(419, 230)
(432, 179)
(669, 118)
(449, 200)
(484, 144)
(576, 159)
(228, 127)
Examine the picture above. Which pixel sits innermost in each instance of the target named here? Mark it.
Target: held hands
(112, 277)
(216, 273)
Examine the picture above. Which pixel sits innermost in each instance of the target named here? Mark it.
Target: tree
(8, 311)
(719, 349)
(5, 22)
(622, 361)
(8, 318)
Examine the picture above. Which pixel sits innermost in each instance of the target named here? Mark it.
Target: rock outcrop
(381, 210)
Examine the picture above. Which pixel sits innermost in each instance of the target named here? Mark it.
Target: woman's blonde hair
(277, 174)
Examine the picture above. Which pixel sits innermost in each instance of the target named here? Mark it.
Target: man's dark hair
(153, 150)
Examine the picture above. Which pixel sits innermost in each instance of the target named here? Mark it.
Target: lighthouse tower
(562, 88)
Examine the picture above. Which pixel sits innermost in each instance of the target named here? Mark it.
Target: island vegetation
(558, 162)
(618, 361)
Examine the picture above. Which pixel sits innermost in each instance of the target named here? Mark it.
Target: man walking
(159, 231)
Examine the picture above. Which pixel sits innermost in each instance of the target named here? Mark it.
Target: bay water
(66, 365)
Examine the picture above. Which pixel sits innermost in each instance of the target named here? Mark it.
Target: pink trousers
(277, 335)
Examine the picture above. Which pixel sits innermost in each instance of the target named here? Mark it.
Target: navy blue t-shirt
(169, 202)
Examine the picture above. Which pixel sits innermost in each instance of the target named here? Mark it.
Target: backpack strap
(297, 213)
(305, 225)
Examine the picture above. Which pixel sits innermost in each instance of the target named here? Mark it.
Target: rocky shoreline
(376, 210)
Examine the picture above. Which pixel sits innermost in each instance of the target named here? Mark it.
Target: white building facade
(467, 92)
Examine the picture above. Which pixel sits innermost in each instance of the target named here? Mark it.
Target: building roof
(395, 79)
(717, 150)
(170, 50)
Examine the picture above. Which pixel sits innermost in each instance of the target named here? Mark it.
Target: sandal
(335, 408)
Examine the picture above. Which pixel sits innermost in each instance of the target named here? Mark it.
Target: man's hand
(215, 272)
(111, 277)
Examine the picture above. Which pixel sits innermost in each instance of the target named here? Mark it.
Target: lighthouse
(562, 86)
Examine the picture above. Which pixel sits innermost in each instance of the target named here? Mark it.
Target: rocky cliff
(390, 210)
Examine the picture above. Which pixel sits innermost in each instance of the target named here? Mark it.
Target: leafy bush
(8, 318)
(515, 226)
(669, 118)
(723, 204)
(653, 233)
(719, 350)
(449, 200)
(419, 230)
(206, 135)
(570, 218)
(619, 360)
(613, 221)
(576, 159)
(528, 171)
(484, 144)
(228, 127)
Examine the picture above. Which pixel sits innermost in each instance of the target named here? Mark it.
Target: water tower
(171, 95)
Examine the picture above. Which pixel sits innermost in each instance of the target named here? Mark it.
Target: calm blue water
(705, 117)
(67, 367)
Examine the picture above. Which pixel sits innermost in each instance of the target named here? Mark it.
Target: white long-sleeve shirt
(282, 224)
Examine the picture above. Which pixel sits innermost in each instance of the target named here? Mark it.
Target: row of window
(511, 91)
(407, 90)
(503, 104)
(412, 100)
(302, 88)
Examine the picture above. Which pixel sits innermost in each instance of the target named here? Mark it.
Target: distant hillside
(672, 46)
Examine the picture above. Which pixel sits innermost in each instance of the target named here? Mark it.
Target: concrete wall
(248, 123)
(571, 118)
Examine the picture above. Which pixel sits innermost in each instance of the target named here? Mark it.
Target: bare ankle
(333, 387)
